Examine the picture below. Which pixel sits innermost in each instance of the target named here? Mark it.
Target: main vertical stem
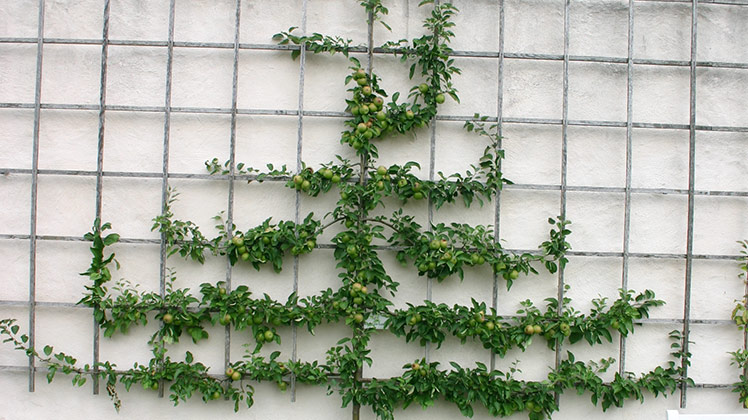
(364, 162)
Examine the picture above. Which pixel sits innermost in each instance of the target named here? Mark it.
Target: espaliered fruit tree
(361, 299)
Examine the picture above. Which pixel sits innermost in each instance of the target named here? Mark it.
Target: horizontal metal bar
(334, 114)
(532, 187)
(384, 51)
(639, 255)
(720, 2)
(24, 369)
(668, 321)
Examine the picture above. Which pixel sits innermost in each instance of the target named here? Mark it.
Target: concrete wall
(530, 96)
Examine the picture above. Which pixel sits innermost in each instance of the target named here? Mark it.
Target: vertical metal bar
(629, 155)
(432, 164)
(297, 216)
(232, 171)
(35, 191)
(691, 183)
(100, 169)
(499, 127)
(745, 330)
(564, 164)
(165, 158)
(167, 134)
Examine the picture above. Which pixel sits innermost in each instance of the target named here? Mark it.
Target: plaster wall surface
(561, 126)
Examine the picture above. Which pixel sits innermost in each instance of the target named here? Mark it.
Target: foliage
(740, 316)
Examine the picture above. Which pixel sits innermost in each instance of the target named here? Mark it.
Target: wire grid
(300, 113)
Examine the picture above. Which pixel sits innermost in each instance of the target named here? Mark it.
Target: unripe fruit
(229, 372)
(490, 326)
(168, 318)
(359, 318)
(269, 335)
(537, 329)
(327, 173)
(529, 330)
(366, 90)
(514, 275)
(236, 376)
(381, 170)
(439, 98)
(335, 179)
(361, 127)
(381, 116)
(297, 179)
(409, 114)
(362, 81)
(423, 88)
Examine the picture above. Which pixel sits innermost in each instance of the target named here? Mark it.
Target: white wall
(133, 142)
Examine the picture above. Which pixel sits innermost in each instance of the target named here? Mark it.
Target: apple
(168, 318)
